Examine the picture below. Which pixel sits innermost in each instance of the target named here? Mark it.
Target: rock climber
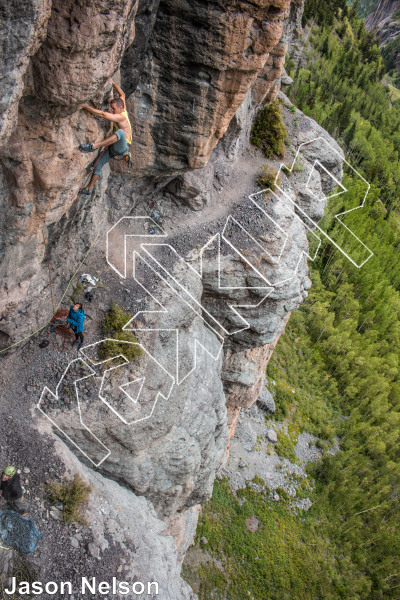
(76, 317)
(12, 491)
(117, 143)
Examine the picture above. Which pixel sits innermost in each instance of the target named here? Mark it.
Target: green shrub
(267, 178)
(115, 319)
(291, 107)
(282, 404)
(326, 432)
(283, 400)
(269, 132)
(298, 167)
(285, 446)
(288, 557)
(258, 480)
(112, 327)
(282, 493)
(74, 494)
(207, 578)
(322, 444)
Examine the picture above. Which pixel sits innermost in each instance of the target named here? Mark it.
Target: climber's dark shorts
(21, 505)
(118, 148)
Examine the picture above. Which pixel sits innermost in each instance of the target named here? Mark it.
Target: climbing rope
(18, 532)
(99, 231)
(127, 157)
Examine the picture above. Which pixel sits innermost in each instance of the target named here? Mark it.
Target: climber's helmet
(10, 471)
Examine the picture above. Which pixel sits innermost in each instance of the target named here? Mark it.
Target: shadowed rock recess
(195, 74)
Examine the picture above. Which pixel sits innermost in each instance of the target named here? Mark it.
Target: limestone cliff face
(231, 46)
(195, 73)
(173, 457)
(188, 70)
(22, 30)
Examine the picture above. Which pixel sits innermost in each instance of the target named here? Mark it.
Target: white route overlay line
(165, 311)
(56, 396)
(146, 247)
(151, 236)
(345, 212)
(135, 401)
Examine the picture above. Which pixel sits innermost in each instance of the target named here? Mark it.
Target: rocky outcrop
(195, 76)
(173, 457)
(382, 22)
(181, 102)
(184, 101)
(41, 166)
(22, 30)
(128, 541)
(385, 22)
(83, 48)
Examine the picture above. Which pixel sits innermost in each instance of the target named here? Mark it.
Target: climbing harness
(126, 156)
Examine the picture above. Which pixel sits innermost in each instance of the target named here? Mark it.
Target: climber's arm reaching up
(117, 118)
(119, 91)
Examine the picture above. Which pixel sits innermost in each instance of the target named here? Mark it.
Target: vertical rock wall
(187, 72)
(194, 73)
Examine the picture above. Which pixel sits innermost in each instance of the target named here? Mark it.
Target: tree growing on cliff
(269, 132)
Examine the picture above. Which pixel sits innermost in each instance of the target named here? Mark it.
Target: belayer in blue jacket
(75, 319)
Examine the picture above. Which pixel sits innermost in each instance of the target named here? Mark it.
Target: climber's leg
(107, 142)
(117, 145)
(104, 158)
(121, 145)
(91, 183)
